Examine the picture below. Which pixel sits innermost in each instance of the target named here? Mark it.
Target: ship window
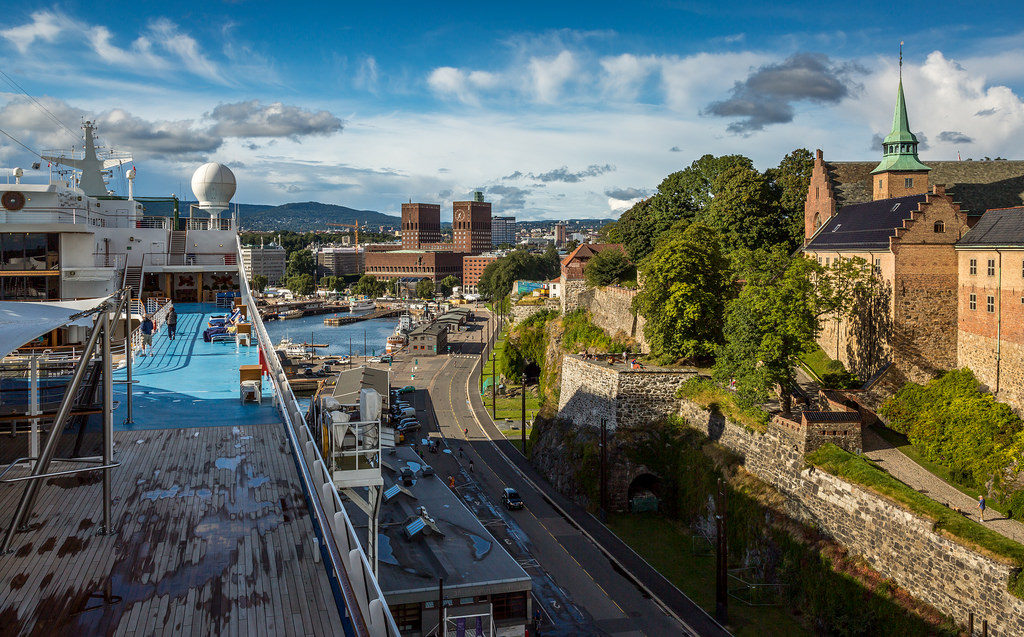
(990, 304)
(974, 301)
(939, 226)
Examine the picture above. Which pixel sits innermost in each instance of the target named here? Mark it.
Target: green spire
(899, 149)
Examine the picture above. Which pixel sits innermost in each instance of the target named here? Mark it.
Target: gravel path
(906, 470)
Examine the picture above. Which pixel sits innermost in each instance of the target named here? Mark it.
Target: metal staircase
(176, 250)
(133, 280)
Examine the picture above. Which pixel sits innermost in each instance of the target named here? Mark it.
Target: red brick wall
(471, 226)
(421, 223)
(894, 184)
(432, 265)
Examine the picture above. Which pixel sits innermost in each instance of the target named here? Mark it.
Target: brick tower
(421, 223)
(471, 225)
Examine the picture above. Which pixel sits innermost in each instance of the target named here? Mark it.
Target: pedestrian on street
(172, 322)
(451, 482)
(460, 452)
(471, 466)
(465, 432)
(981, 507)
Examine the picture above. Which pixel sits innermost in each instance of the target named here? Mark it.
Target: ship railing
(352, 576)
(104, 260)
(83, 215)
(229, 259)
(204, 223)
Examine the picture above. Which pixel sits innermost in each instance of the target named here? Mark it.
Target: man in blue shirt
(147, 333)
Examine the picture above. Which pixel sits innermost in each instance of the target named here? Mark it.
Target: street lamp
(523, 430)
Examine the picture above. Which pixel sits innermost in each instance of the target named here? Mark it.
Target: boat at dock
(291, 314)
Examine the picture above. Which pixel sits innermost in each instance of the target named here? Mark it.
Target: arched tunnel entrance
(644, 493)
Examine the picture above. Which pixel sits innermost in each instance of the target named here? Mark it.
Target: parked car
(409, 426)
(408, 389)
(407, 476)
(407, 420)
(386, 358)
(511, 499)
(373, 359)
(408, 411)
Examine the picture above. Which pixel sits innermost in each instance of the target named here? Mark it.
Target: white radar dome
(214, 186)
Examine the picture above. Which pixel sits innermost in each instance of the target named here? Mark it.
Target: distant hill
(300, 216)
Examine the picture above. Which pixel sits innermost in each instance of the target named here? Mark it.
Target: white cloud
(549, 75)
(45, 26)
(623, 75)
(461, 84)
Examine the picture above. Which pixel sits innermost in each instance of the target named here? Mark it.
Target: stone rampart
(899, 544)
(523, 312)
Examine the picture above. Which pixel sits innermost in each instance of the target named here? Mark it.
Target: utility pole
(722, 555)
(523, 430)
(482, 349)
(602, 512)
(494, 389)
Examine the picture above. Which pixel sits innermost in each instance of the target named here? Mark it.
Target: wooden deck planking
(224, 561)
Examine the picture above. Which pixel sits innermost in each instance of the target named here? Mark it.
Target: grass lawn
(818, 361)
(668, 547)
(710, 395)
(864, 472)
(901, 442)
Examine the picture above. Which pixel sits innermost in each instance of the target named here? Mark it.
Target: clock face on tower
(460, 215)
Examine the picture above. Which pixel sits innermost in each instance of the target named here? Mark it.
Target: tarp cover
(23, 321)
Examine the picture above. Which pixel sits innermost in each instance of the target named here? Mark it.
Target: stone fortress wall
(897, 543)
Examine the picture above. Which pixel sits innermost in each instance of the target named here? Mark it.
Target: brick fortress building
(912, 223)
(423, 255)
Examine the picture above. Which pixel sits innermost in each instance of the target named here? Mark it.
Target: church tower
(900, 172)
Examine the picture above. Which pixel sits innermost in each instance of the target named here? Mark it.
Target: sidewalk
(920, 479)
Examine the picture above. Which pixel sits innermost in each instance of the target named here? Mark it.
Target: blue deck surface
(188, 382)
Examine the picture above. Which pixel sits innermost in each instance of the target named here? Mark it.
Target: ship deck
(212, 534)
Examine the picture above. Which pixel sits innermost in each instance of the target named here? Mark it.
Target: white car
(375, 359)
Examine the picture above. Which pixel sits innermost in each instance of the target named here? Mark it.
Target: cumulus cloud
(43, 25)
(448, 81)
(511, 197)
(563, 174)
(549, 75)
(954, 137)
(625, 194)
(156, 139)
(768, 94)
(254, 119)
(624, 75)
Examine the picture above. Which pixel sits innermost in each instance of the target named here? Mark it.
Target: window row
(990, 267)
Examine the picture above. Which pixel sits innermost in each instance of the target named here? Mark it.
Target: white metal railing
(347, 559)
(105, 260)
(205, 223)
(229, 259)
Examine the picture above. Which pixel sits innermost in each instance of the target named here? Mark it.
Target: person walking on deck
(147, 333)
(172, 322)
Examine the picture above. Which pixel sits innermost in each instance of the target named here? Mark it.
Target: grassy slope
(668, 547)
(973, 534)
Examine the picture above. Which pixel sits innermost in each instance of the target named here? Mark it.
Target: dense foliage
(608, 267)
(777, 313)
(525, 344)
(292, 241)
(686, 286)
(445, 285)
(301, 262)
(425, 289)
(498, 277)
(259, 282)
(954, 423)
(301, 284)
(580, 334)
(371, 286)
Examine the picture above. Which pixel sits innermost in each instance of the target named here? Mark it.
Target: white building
(270, 261)
(340, 260)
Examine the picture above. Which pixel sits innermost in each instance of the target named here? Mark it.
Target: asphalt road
(579, 590)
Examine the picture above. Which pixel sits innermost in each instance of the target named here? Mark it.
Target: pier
(335, 321)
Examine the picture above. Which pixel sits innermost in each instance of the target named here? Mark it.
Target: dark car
(511, 499)
(407, 476)
(408, 389)
(386, 358)
(406, 427)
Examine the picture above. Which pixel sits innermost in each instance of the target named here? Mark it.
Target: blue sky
(555, 109)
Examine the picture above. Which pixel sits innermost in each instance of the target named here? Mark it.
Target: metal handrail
(367, 608)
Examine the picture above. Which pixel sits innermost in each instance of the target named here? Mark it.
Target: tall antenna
(901, 60)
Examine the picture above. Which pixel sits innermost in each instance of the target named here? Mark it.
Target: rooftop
(865, 225)
(351, 381)
(1000, 227)
(466, 556)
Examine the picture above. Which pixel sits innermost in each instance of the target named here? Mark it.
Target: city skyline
(554, 112)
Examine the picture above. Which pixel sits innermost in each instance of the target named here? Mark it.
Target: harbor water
(338, 339)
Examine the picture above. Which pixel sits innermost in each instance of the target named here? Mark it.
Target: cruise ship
(157, 484)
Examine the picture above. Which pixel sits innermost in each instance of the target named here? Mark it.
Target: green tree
(301, 262)
(607, 267)
(497, 278)
(777, 316)
(745, 210)
(446, 284)
(369, 285)
(686, 285)
(328, 282)
(425, 289)
(791, 180)
(259, 283)
(301, 284)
